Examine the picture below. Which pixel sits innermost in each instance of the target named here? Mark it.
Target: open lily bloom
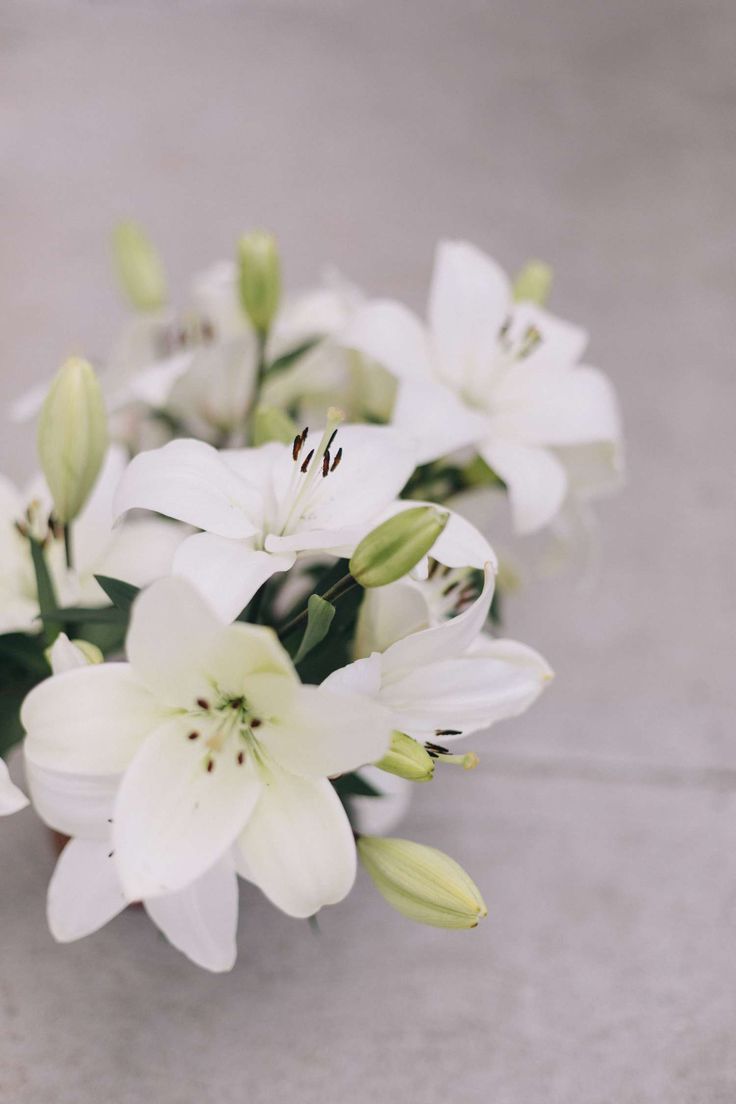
(260, 508)
(451, 679)
(486, 372)
(137, 552)
(221, 749)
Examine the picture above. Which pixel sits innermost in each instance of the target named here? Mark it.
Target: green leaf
(280, 364)
(22, 652)
(319, 618)
(122, 595)
(352, 785)
(94, 615)
(44, 588)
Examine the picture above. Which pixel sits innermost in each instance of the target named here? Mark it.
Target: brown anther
(210, 765)
(338, 458)
(332, 438)
(193, 736)
(256, 722)
(203, 703)
(110, 854)
(326, 464)
(308, 460)
(236, 703)
(241, 758)
(296, 448)
(448, 732)
(436, 749)
(305, 431)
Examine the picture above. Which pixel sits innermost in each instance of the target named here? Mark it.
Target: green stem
(333, 594)
(68, 546)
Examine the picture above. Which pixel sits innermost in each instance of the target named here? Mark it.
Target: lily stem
(333, 594)
(68, 552)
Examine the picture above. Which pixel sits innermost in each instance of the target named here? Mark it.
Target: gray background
(601, 826)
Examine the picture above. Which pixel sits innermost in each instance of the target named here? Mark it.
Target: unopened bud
(534, 283)
(422, 883)
(139, 268)
(393, 548)
(407, 759)
(66, 655)
(271, 424)
(72, 437)
(259, 278)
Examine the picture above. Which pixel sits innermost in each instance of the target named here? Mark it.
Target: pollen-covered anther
(210, 765)
(338, 458)
(256, 722)
(307, 462)
(240, 758)
(326, 464)
(193, 736)
(203, 703)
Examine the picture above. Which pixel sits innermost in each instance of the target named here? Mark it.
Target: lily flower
(261, 508)
(486, 372)
(137, 552)
(213, 748)
(447, 681)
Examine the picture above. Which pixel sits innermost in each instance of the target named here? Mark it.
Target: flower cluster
(242, 612)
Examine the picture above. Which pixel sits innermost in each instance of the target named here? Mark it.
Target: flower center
(311, 469)
(225, 727)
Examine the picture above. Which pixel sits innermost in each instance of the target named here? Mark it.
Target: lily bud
(259, 278)
(271, 424)
(393, 548)
(72, 437)
(422, 883)
(407, 759)
(534, 283)
(139, 268)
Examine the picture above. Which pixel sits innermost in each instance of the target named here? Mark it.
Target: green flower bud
(534, 283)
(422, 883)
(408, 759)
(139, 268)
(72, 437)
(393, 548)
(271, 424)
(259, 278)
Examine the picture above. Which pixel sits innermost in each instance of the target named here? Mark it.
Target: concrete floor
(602, 826)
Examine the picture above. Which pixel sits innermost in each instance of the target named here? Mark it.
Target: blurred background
(601, 826)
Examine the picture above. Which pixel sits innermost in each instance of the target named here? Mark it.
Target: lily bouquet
(242, 609)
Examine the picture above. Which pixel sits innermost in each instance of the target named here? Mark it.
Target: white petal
(88, 721)
(189, 481)
(535, 478)
(75, 804)
(468, 303)
(561, 342)
(173, 818)
(451, 638)
(387, 614)
(11, 798)
(542, 405)
(84, 892)
(227, 572)
(298, 845)
(325, 733)
(389, 333)
(152, 383)
(435, 420)
(201, 921)
(465, 694)
(363, 677)
(172, 634)
(140, 551)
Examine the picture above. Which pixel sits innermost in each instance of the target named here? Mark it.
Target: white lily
(137, 552)
(221, 749)
(260, 508)
(85, 891)
(501, 376)
(449, 680)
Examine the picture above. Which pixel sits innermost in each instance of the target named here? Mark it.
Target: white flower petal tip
(201, 920)
(12, 799)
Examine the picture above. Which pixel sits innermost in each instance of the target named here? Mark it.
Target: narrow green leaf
(122, 595)
(319, 619)
(280, 364)
(44, 589)
(94, 615)
(352, 785)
